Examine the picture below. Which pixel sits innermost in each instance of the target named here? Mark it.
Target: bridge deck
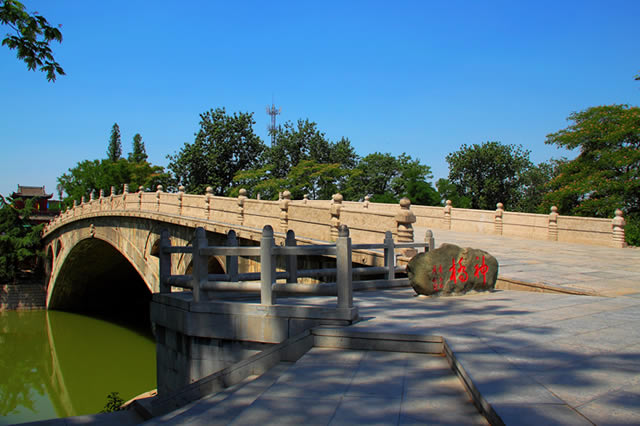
(600, 270)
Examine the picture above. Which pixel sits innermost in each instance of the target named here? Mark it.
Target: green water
(58, 364)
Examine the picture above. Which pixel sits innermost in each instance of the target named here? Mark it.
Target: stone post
(180, 196)
(101, 198)
(291, 262)
(284, 211)
(113, 193)
(164, 259)
(447, 215)
(365, 205)
(92, 195)
(344, 265)
(158, 192)
(139, 195)
(336, 206)
(498, 218)
(208, 196)
(199, 269)
(241, 197)
(404, 219)
(125, 191)
(75, 206)
(617, 225)
(305, 198)
(429, 240)
(267, 267)
(552, 230)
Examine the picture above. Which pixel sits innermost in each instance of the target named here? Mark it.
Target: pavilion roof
(31, 192)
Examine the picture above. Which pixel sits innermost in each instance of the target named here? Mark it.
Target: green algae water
(59, 364)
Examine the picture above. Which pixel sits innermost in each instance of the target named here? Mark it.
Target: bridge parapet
(312, 220)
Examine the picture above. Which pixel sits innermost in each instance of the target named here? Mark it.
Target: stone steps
(338, 386)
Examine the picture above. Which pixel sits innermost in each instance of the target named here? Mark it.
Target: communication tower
(273, 112)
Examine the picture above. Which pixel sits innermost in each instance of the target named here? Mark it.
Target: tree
(450, 191)
(387, 179)
(31, 38)
(489, 173)
(606, 173)
(223, 146)
(96, 175)
(139, 152)
(19, 241)
(114, 151)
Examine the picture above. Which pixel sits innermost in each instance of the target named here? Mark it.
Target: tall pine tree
(114, 152)
(139, 153)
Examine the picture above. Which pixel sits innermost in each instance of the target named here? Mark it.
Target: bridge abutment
(194, 340)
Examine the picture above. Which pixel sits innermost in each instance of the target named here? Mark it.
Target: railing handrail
(342, 249)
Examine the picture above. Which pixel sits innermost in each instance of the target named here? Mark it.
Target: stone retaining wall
(22, 297)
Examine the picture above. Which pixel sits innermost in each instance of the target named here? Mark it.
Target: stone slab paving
(536, 358)
(346, 387)
(603, 270)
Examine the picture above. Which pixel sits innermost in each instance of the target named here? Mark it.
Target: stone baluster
(125, 191)
(158, 192)
(75, 206)
(365, 204)
(92, 195)
(344, 268)
(552, 229)
(617, 225)
(336, 206)
(305, 198)
(208, 199)
(404, 219)
(180, 198)
(139, 195)
(113, 193)
(447, 215)
(82, 204)
(241, 197)
(498, 218)
(284, 211)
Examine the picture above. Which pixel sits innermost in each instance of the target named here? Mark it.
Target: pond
(60, 364)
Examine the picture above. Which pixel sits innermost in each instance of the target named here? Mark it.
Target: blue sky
(417, 77)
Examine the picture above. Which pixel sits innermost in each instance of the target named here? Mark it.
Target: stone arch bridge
(98, 247)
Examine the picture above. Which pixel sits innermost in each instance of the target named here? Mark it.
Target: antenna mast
(273, 112)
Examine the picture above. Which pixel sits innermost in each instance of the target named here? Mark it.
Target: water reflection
(59, 364)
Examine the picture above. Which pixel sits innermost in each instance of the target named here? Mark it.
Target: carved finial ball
(618, 213)
(305, 196)
(500, 206)
(141, 188)
(181, 188)
(286, 194)
(554, 209)
(159, 188)
(243, 192)
(209, 190)
(405, 203)
(367, 198)
(337, 198)
(448, 203)
(343, 231)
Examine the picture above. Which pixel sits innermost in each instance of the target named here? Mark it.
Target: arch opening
(96, 279)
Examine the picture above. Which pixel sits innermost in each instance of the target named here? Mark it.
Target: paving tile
(283, 411)
(367, 411)
(621, 407)
(539, 414)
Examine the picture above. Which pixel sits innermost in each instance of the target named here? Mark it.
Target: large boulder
(451, 269)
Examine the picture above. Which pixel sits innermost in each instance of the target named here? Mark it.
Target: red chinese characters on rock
(459, 273)
(482, 269)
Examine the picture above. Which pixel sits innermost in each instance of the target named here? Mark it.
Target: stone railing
(552, 227)
(319, 220)
(367, 221)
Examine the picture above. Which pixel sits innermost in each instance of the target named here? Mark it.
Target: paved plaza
(534, 358)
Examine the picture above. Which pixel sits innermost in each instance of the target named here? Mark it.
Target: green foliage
(606, 173)
(535, 187)
(489, 173)
(114, 402)
(139, 152)
(19, 241)
(632, 229)
(31, 38)
(114, 151)
(224, 146)
(90, 175)
(449, 191)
